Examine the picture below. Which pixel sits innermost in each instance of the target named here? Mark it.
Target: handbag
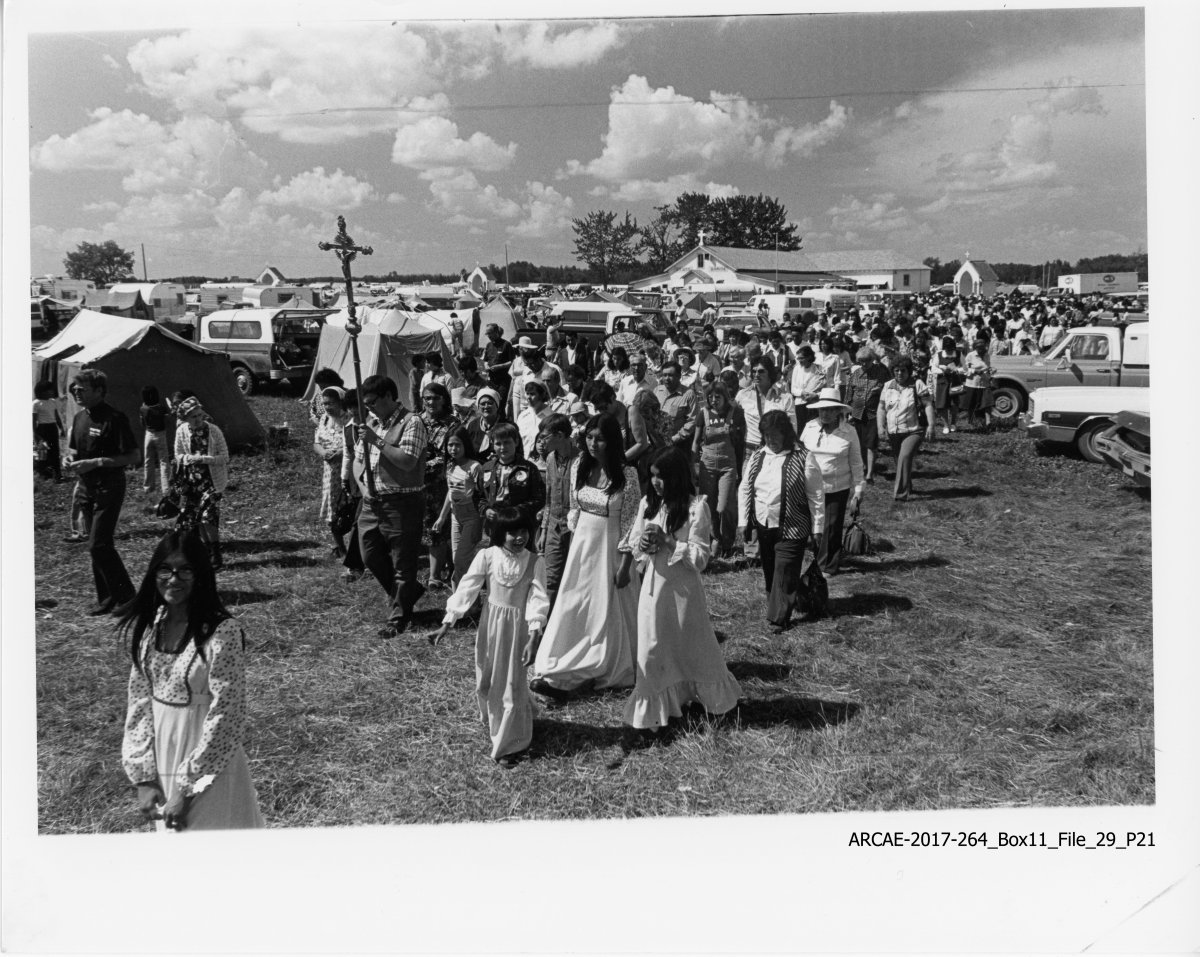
(922, 418)
(812, 592)
(345, 515)
(856, 541)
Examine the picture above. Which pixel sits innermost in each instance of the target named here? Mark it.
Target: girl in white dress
(678, 659)
(515, 613)
(187, 696)
(592, 634)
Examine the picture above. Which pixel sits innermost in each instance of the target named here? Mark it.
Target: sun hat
(577, 408)
(829, 398)
(685, 351)
(525, 343)
(188, 406)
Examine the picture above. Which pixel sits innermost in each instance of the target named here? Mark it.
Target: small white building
(167, 299)
(976, 277)
(748, 271)
(876, 269)
(481, 281)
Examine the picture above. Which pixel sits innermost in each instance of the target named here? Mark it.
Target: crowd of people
(569, 497)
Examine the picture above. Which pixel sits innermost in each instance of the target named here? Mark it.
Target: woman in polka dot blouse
(187, 696)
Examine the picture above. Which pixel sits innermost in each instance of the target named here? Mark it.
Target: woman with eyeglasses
(186, 720)
(440, 421)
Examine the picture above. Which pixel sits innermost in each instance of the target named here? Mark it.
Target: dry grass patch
(994, 652)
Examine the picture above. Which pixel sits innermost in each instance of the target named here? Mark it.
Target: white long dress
(679, 660)
(516, 600)
(185, 725)
(592, 633)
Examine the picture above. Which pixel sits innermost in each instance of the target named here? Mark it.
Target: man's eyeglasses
(185, 573)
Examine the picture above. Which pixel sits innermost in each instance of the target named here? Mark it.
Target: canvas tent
(129, 303)
(499, 311)
(386, 345)
(134, 353)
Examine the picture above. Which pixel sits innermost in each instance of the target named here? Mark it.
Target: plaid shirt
(412, 439)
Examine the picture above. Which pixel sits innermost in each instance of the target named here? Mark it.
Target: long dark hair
(463, 434)
(205, 609)
(675, 470)
(614, 453)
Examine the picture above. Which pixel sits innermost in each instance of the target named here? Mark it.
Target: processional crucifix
(345, 250)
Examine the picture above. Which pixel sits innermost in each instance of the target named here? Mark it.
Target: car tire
(1085, 441)
(1007, 403)
(243, 380)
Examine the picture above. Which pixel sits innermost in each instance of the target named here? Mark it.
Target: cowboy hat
(525, 343)
(829, 399)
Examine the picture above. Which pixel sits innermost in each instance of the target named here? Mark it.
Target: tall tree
(690, 213)
(751, 222)
(661, 239)
(102, 263)
(606, 244)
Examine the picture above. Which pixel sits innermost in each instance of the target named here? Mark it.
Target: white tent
(386, 345)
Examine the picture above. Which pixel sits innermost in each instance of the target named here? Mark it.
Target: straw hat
(828, 399)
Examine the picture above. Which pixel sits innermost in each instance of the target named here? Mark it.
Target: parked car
(265, 345)
(739, 321)
(1097, 355)
(1080, 414)
(1126, 445)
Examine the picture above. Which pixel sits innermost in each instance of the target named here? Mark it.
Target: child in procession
(513, 619)
(464, 482)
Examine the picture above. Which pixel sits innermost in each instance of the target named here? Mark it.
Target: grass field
(984, 657)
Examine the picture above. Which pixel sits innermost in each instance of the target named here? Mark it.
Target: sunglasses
(185, 573)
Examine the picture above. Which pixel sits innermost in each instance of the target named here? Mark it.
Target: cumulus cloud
(433, 142)
(472, 49)
(463, 200)
(656, 134)
(667, 190)
(196, 151)
(302, 85)
(876, 215)
(316, 189)
(541, 45)
(547, 213)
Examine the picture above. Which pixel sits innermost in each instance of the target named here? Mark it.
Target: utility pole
(145, 276)
(506, 280)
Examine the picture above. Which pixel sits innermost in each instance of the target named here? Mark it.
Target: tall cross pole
(345, 250)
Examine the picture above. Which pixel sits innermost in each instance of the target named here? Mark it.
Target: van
(781, 307)
(600, 319)
(265, 345)
(839, 300)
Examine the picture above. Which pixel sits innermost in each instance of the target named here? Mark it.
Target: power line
(686, 101)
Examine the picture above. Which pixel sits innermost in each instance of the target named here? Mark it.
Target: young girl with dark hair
(464, 492)
(678, 658)
(592, 633)
(186, 719)
(512, 619)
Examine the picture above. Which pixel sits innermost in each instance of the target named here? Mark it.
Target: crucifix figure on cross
(345, 250)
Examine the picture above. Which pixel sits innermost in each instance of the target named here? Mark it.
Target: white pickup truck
(1105, 356)
(1079, 414)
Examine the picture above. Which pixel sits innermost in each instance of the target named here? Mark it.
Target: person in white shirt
(763, 395)
(775, 514)
(637, 380)
(808, 379)
(834, 466)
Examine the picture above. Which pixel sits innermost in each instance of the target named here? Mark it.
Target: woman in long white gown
(592, 633)
(186, 720)
(679, 660)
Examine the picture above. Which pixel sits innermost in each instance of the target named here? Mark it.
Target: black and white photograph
(609, 479)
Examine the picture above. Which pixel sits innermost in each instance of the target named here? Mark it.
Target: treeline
(1046, 274)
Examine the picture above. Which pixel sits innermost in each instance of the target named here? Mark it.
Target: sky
(1011, 135)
